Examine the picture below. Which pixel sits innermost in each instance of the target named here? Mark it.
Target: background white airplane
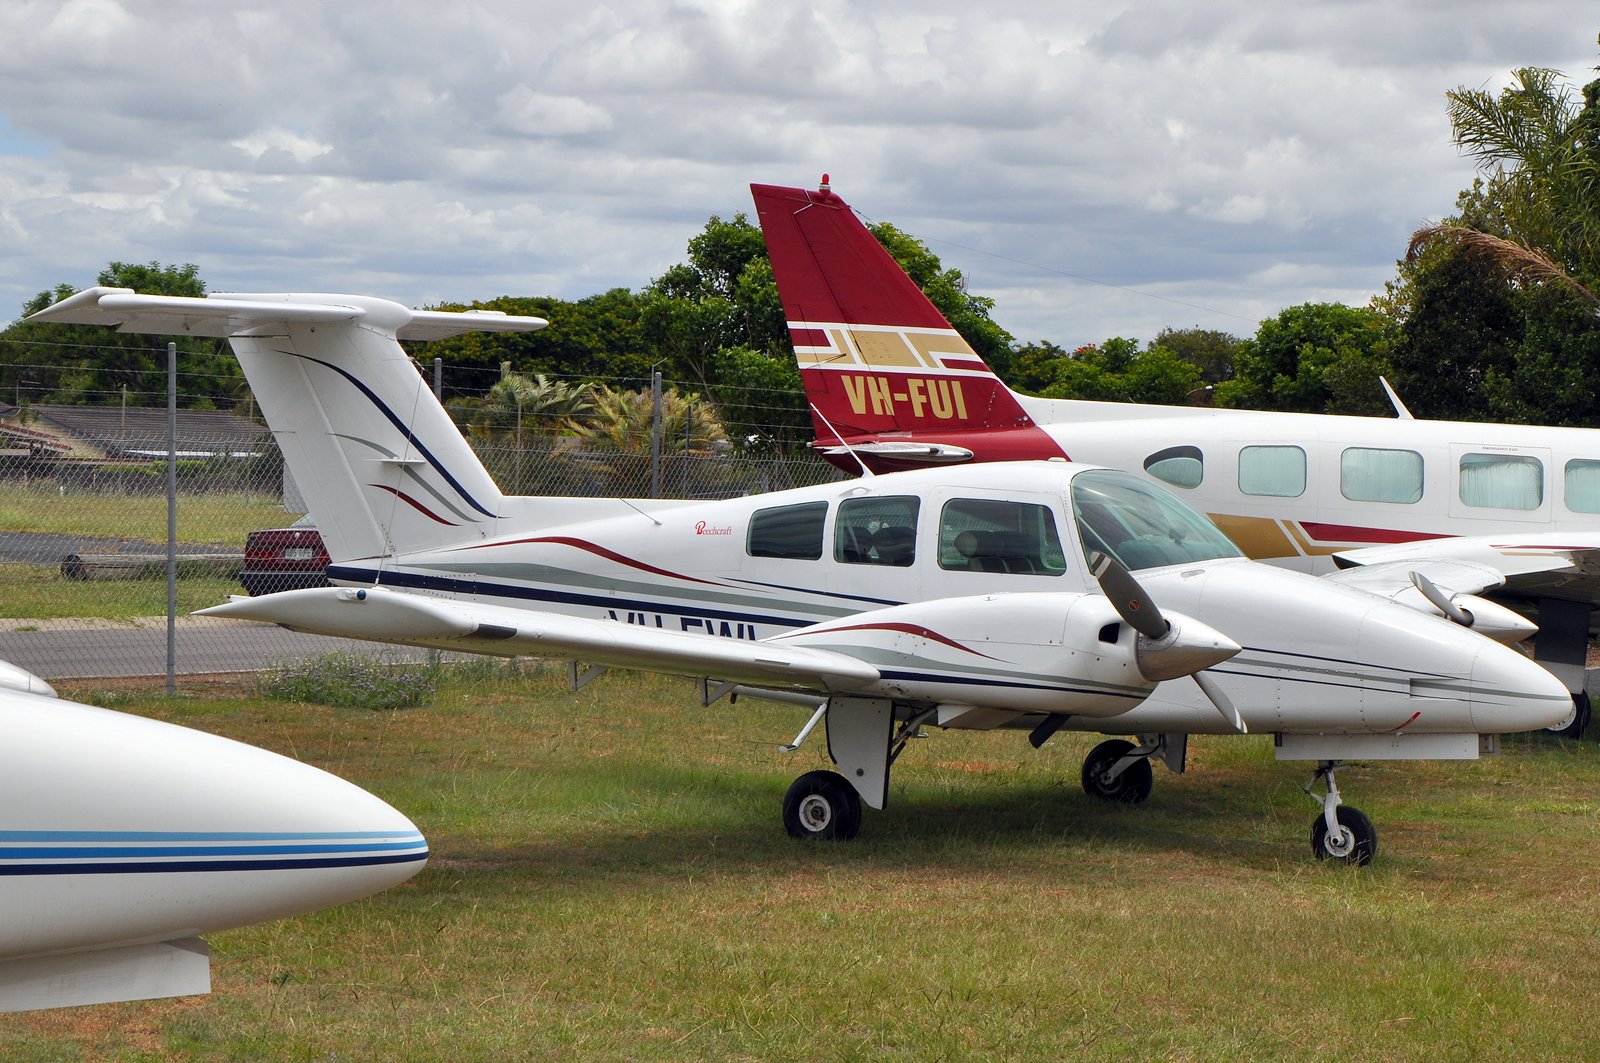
(124, 839)
(967, 598)
(886, 373)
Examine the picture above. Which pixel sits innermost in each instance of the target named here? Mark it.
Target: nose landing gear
(1340, 832)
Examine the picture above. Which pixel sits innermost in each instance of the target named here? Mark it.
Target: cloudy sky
(1099, 169)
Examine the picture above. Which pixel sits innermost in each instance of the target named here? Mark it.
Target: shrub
(351, 681)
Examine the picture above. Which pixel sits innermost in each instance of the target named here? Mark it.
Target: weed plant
(351, 681)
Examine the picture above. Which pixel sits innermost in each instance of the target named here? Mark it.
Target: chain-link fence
(83, 528)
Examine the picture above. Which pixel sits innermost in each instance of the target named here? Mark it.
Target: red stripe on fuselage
(1349, 533)
(598, 551)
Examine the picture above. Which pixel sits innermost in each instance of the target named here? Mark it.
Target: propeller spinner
(1166, 649)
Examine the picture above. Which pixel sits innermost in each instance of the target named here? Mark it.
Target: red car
(284, 559)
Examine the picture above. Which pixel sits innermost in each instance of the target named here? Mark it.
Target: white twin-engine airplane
(958, 598)
(124, 839)
(893, 386)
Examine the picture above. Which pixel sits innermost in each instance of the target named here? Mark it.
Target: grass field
(610, 881)
(37, 592)
(221, 519)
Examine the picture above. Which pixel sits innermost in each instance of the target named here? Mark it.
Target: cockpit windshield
(1141, 524)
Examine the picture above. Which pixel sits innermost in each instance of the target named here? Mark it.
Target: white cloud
(1183, 152)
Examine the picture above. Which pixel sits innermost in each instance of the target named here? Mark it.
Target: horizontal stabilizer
(381, 615)
(234, 315)
(134, 972)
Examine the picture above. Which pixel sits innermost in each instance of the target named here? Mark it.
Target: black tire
(1131, 787)
(1358, 849)
(822, 805)
(1579, 723)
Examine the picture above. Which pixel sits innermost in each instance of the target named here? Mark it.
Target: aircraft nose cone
(1511, 693)
(123, 830)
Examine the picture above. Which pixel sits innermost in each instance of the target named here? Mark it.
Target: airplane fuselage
(757, 568)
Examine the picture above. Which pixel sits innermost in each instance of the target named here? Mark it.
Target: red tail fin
(877, 357)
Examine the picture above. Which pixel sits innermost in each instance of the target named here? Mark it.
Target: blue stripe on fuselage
(485, 588)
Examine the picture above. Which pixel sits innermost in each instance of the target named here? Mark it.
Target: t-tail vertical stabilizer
(882, 367)
(381, 465)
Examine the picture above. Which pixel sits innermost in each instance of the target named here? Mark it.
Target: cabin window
(1178, 466)
(877, 531)
(794, 532)
(1502, 481)
(1140, 523)
(1276, 471)
(990, 535)
(1582, 487)
(1369, 475)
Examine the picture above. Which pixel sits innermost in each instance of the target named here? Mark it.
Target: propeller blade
(1126, 596)
(1210, 689)
(1439, 600)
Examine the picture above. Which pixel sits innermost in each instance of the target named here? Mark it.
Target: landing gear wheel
(822, 805)
(1131, 787)
(1356, 842)
(1578, 722)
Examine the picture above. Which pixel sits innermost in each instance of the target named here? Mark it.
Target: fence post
(655, 435)
(438, 393)
(172, 518)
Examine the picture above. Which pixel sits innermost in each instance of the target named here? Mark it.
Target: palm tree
(1537, 214)
(517, 405)
(615, 439)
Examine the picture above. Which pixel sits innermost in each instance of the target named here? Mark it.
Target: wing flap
(382, 615)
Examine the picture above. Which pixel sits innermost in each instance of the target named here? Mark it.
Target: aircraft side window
(990, 535)
(788, 531)
(1371, 475)
(1276, 471)
(1581, 489)
(877, 531)
(1179, 466)
(1502, 481)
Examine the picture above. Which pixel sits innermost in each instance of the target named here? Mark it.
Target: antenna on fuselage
(848, 449)
(1400, 410)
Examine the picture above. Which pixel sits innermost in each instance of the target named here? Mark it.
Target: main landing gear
(1340, 832)
(863, 741)
(822, 805)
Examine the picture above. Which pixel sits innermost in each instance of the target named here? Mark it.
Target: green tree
(1457, 325)
(1118, 371)
(1211, 352)
(91, 365)
(596, 336)
(1314, 358)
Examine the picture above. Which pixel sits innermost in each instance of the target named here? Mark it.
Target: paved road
(48, 548)
(83, 649)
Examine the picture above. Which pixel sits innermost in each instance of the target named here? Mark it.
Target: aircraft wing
(1388, 578)
(1563, 565)
(381, 615)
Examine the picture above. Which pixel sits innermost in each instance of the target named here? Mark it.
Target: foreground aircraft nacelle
(998, 596)
(952, 653)
(126, 838)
